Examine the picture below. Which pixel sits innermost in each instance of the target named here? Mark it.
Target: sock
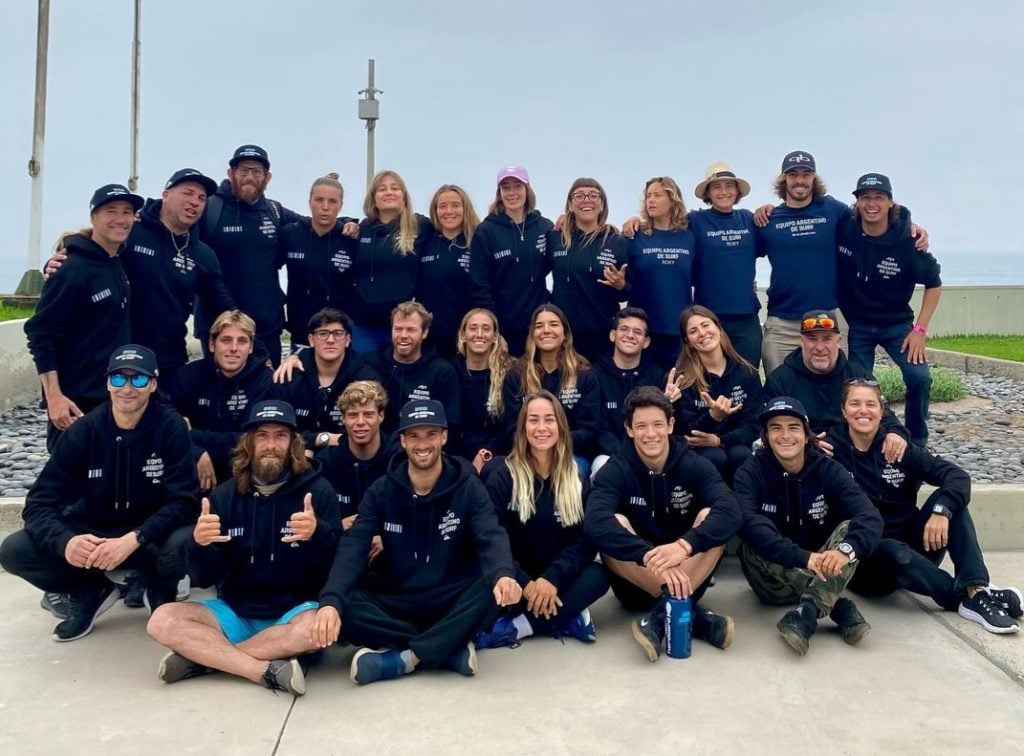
(523, 627)
(972, 589)
(409, 659)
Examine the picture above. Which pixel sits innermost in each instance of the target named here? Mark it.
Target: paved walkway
(922, 681)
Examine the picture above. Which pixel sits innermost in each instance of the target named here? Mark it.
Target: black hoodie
(167, 273)
(582, 406)
(350, 476)
(876, 275)
(738, 383)
(893, 486)
(446, 537)
(429, 377)
(107, 481)
(822, 395)
(576, 274)
(443, 285)
(383, 275)
(316, 406)
(480, 429)
(257, 574)
(616, 383)
(786, 517)
(543, 546)
(81, 318)
(320, 273)
(508, 266)
(661, 507)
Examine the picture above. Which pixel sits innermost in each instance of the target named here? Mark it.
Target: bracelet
(920, 329)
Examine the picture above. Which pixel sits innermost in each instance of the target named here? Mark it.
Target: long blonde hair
(498, 361)
(408, 224)
(689, 366)
(470, 220)
(677, 216)
(565, 476)
(569, 360)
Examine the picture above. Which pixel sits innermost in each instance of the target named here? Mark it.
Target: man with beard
(265, 538)
(445, 568)
(241, 226)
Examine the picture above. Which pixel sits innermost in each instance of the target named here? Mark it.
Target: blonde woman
(539, 494)
(386, 261)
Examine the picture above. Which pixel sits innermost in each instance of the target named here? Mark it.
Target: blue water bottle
(678, 615)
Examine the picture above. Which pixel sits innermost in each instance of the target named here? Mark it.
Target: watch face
(846, 548)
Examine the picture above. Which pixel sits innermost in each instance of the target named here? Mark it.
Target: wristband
(920, 329)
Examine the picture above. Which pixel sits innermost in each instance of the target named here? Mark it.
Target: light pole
(133, 162)
(369, 111)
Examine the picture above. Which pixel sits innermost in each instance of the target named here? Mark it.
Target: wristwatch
(847, 549)
(323, 438)
(941, 509)
(139, 536)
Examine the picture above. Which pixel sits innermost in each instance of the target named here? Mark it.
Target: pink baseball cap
(514, 171)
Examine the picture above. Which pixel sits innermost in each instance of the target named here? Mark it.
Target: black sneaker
(988, 612)
(716, 629)
(155, 596)
(1010, 598)
(134, 590)
(55, 603)
(174, 667)
(83, 609)
(649, 632)
(797, 626)
(286, 675)
(852, 625)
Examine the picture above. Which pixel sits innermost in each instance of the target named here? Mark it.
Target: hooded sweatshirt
(508, 266)
(168, 273)
(444, 538)
(350, 476)
(316, 406)
(893, 486)
(480, 429)
(738, 383)
(384, 276)
(577, 272)
(877, 274)
(107, 481)
(257, 574)
(543, 546)
(582, 406)
(787, 516)
(81, 318)
(661, 273)
(822, 395)
(616, 383)
(443, 285)
(724, 270)
(320, 273)
(429, 377)
(661, 507)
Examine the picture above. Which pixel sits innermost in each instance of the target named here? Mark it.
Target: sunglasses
(861, 382)
(120, 380)
(825, 322)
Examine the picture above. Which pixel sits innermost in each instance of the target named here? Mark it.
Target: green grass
(947, 385)
(15, 313)
(986, 345)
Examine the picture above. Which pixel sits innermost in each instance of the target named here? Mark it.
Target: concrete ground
(923, 680)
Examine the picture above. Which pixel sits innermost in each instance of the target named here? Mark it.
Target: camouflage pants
(776, 585)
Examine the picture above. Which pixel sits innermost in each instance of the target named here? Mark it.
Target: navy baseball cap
(422, 412)
(191, 174)
(819, 320)
(250, 152)
(133, 357)
(873, 182)
(782, 405)
(271, 411)
(799, 160)
(114, 193)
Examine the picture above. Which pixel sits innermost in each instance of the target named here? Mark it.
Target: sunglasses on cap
(861, 382)
(120, 380)
(819, 322)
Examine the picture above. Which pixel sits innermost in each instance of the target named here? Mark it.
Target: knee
(917, 376)
(896, 552)
(162, 623)
(300, 629)
(12, 551)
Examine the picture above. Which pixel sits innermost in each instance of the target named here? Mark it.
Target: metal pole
(32, 281)
(133, 170)
(369, 111)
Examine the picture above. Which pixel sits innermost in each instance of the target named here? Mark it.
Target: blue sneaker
(503, 633)
(370, 665)
(581, 627)
(463, 660)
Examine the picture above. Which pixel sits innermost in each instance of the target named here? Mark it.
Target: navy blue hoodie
(384, 276)
(443, 285)
(81, 318)
(320, 273)
(582, 406)
(507, 269)
(168, 273)
(576, 273)
(107, 481)
(350, 476)
(738, 383)
(724, 269)
(429, 377)
(877, 274)
(257, 574)
(661, 507)
(480, 429)
(447, 537)
(787, 516)
(661, 277)
(616, 383)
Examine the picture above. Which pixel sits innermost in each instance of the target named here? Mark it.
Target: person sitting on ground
(539, 494)
(915, 541)
(265, 538)
(661, 516)
(444, 571)
(117, 493)
(805, 526)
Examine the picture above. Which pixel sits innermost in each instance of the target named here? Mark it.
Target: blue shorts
(238, 629)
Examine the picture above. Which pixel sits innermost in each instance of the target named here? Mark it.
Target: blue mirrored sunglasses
(119, 380)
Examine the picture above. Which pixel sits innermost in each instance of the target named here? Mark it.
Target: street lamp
(369, 111)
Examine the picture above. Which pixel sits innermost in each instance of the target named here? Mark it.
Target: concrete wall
(18, 381)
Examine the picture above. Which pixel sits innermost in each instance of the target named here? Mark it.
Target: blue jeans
(918, 378)
(366, 339)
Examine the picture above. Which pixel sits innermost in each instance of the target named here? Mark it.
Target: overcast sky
(926, 91)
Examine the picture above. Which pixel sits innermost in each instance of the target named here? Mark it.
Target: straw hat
(716, 172)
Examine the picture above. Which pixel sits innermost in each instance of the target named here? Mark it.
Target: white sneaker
(184, 589)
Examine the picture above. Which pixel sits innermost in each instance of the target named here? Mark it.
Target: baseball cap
(782, 405)
(422, 412)
(133, 357)
(250, 152)
(271, 411)
(819, 320)
(514, 171)
(191, 174)
(799, 159)
(873, 182)
(114, 193)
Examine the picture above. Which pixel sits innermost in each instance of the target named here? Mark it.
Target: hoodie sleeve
(208, 565)
(58, 485)
(354, 546)
(865, 520)
(58, 306)
(953, 482)
(210, 287)
(759, 532)
(446, 386)
(491, 539)
(724, 519)
(745, 429)
(499, 488)
(480, 263)
(180, 486)
(328, 520)
(600, 526)
(587, 414)
(512, 400)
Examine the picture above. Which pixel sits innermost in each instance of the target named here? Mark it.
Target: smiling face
(787, 439)
(112, 221)
(388, 196)
(629, 337)
(587, 205)
(541, 426)
(362, 423)
(270, 443)
(723, 194)
(231, 349)
(128, 400)
(820, 350)
(479, 334)
(874, 207)
(513, 194)
(183, 204)
(862, 410)
(423, 444)
(324, 205)
(450, 213)
(407, 335)
(650, 430)
(799, 185)
(548, 332)
(249, 180)
(703, 334)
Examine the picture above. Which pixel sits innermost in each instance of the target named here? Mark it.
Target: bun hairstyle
(328, 179)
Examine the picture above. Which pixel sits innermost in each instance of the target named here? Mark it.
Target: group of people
(450, 446)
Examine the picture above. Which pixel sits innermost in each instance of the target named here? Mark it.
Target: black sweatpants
(636, 599)
(576, 595)
(432, 623)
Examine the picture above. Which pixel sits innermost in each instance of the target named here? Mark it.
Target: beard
(268, 466)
